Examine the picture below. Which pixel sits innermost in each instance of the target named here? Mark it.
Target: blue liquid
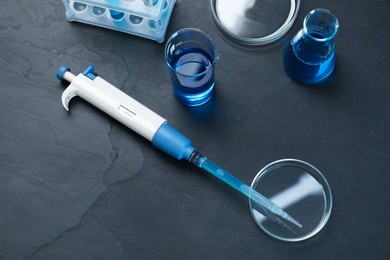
(165, 5)
(116, 15)
(193, 76)
(309, 63)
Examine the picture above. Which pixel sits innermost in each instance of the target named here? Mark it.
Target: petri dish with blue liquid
(191, 56)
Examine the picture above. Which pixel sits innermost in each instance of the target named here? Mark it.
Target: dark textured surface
(78, 185)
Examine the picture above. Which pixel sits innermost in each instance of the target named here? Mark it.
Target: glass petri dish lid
(255, 22)
(299, 189)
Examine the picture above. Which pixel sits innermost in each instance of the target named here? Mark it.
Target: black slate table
(79, 185)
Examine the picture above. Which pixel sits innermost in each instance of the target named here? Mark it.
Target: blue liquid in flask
(309, 63)
(310, 56)
(193, 80)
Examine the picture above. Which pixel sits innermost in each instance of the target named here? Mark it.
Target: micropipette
(153, 127)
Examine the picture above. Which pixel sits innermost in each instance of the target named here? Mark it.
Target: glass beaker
(191, 55)
(310, 56)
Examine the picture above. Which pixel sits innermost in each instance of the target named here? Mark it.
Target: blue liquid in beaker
(193, 80)
(306, 65)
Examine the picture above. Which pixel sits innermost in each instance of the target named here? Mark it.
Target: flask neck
(307, 42)
(315, 39)
(320, 26)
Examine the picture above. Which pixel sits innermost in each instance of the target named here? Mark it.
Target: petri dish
(255, 22)
(298, 188)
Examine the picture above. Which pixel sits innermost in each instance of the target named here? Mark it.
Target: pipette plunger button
(61, 72)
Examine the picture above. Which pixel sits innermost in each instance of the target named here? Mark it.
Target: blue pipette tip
(291, 219)
(272, 211)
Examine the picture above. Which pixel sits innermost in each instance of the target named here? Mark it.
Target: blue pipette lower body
(271, 210)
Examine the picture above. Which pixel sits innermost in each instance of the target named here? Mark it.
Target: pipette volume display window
(254, 22)
(299, 189)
